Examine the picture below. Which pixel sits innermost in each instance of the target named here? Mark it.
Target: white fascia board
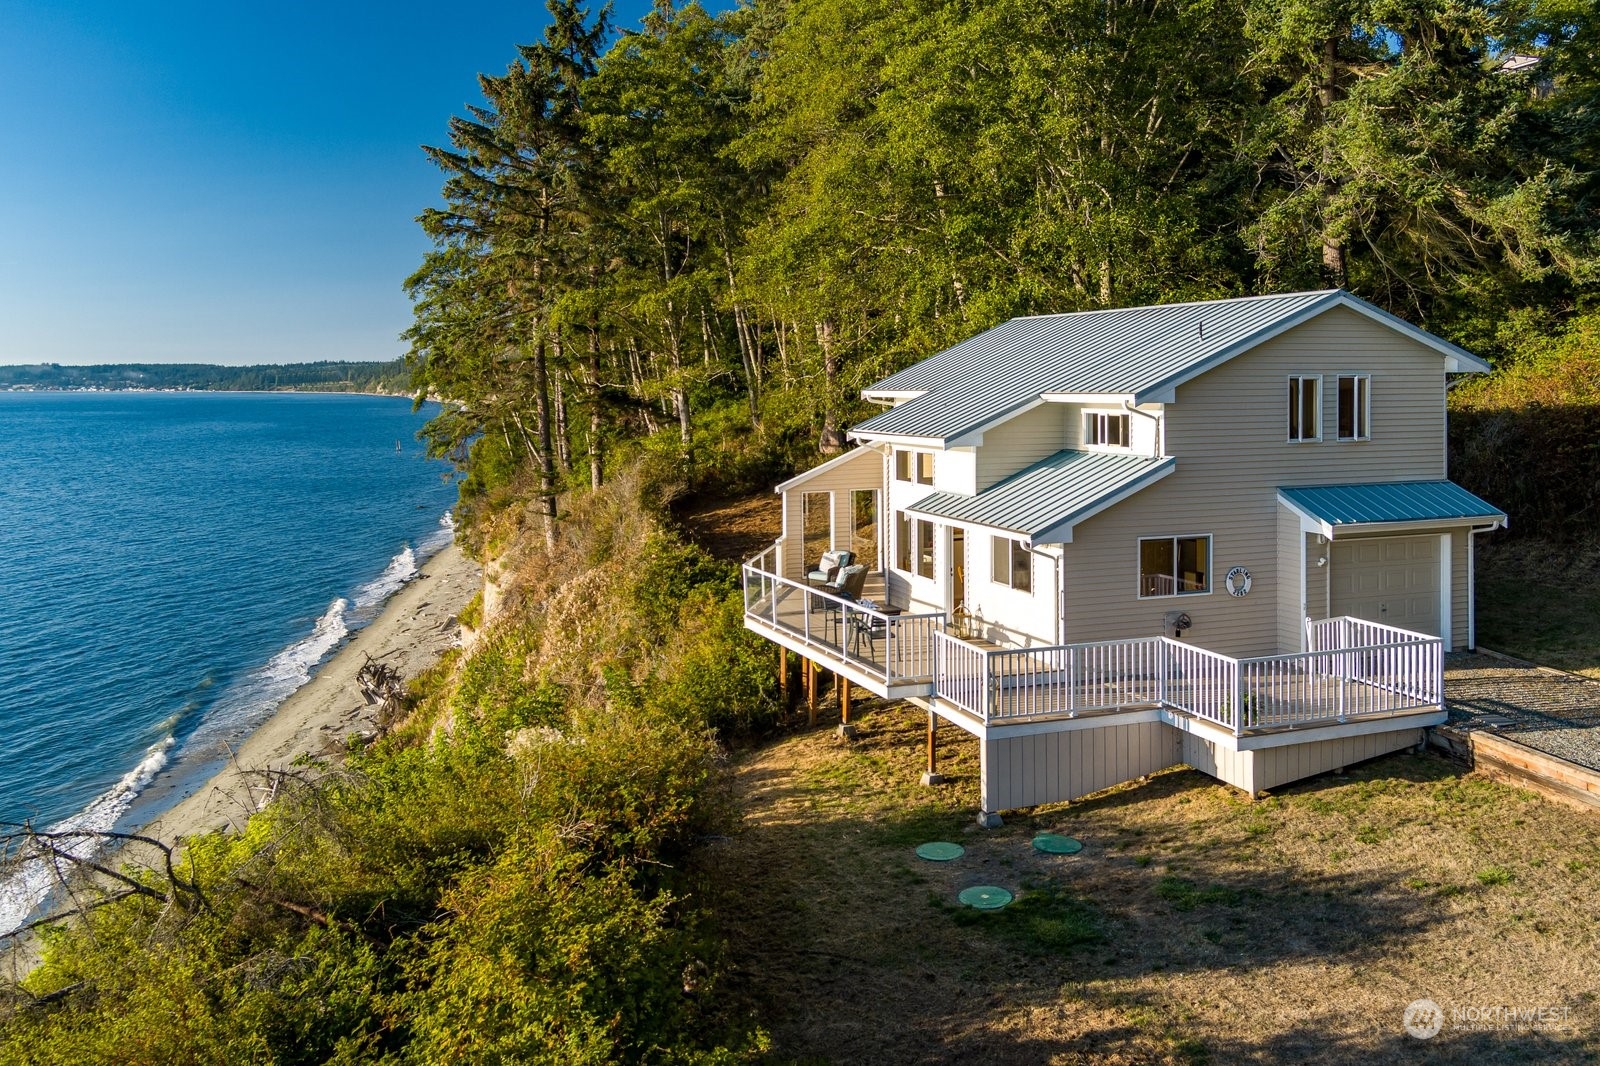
(1425, 525)
(973, 437)
(1457, 359)
(1114, 398)
(927, 444)
(832, 464)
(1061, 531)
(1309, 523)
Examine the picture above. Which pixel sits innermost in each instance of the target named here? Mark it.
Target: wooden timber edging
(1503, 759)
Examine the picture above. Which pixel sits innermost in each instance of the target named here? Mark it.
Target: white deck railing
(1383, 671)
(1352, 668)
(894, 648)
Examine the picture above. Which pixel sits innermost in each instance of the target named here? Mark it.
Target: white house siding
(866, 470)
(1227, 430)
(908, 590)
(1004, 615)
(1021, 442)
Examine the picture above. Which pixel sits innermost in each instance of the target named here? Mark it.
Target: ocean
(175, 565)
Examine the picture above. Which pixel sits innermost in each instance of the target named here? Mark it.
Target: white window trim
(1211, 563)
(917, 546)
(1320, 398)
(1336, 379)
(1010, 554)
(1115, 412)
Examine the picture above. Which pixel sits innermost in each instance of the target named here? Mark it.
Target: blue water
(174, 564)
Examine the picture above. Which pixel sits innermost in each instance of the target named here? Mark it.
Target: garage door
(1393, 580)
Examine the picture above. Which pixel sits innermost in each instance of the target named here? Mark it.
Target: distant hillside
(392, 377)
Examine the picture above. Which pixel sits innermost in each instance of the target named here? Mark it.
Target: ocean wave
(260, 692)
(401, 569)
(439, 539)
(36, 878)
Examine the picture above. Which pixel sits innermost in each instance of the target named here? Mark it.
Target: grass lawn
(1194, 926)
(1540, 603)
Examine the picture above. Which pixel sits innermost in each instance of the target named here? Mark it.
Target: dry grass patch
(1195, 926)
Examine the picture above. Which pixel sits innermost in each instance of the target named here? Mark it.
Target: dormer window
(1105, 429)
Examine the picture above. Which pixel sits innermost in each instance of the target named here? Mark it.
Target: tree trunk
(832, 440)
(547, 466)
(1333, 258)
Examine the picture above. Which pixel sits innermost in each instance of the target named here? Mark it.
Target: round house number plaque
(1238, 581)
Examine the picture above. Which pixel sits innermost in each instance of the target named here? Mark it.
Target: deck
(1355, 670)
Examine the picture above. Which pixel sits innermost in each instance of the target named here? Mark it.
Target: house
(1110, 542)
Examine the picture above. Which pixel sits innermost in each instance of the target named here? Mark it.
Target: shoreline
(416, 626)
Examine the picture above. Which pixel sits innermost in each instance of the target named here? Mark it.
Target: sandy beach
(417, 625)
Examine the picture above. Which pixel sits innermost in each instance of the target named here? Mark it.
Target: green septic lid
(1054, 844)
(939, 851)
(985, 897)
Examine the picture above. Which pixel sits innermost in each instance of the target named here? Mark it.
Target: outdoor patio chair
(829, 566)
(848, 583)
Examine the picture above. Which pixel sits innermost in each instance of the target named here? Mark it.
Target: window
(1105, 429)
(1010, 563)
(902, 542)
(1174, 566)
(1305, 404)
(864, 526)
(913, 466)
(924, 548)
(1355, 402)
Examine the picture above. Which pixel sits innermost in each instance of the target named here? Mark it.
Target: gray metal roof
(1067, 487)
(1390, 501)
(1134, 351)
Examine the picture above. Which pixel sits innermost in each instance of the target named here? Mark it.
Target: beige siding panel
(1055, 767)
(1291, 610)
(1317, 576)
(1022, 441)
(1461, 590)
(1219, 760)
(1295, 762)
(1227, 430)
(865, 471)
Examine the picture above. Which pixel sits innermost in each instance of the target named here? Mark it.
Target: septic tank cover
(1055, 844)
(985, 897)
(940, 851)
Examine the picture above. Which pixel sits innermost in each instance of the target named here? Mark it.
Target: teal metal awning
(1389, 503)
(1045, 500)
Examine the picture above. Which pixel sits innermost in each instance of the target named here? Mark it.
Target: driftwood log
(381, 685)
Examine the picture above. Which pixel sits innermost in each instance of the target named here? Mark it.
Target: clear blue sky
(227, 183)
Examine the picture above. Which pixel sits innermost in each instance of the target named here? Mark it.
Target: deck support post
(811, 692)
(932, 776)
(846, 730)
(783, 673)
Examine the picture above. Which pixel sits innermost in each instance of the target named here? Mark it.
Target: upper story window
(1174, 566)
(1305, 408)
(913, 466)
(1105, 429)
(1011, 564)
(1355, 407)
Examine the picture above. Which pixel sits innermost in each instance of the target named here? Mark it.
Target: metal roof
(1053, 493)
(1389, 502)
(1139, 352)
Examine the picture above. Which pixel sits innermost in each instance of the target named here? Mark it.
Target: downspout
(1155, 453)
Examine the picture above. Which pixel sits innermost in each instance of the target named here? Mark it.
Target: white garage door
(1393, 580)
